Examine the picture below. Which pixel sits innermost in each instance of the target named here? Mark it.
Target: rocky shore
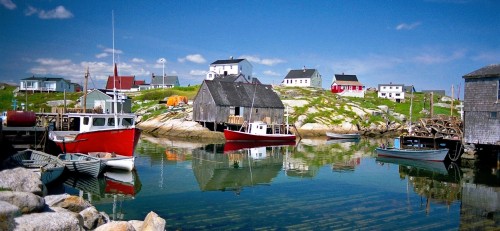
(25, 205)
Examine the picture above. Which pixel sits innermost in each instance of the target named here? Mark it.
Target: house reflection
(232, 171)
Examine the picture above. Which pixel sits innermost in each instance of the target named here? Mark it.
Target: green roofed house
(46, 84)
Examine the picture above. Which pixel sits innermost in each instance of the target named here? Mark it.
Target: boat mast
(85, 91)
(411, 106)
(115, 107)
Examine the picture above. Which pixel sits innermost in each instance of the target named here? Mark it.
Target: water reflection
(315, 184)
(234, 169)
(112, 187)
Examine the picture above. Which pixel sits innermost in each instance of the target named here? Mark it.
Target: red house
(122, 83)
(347, 85)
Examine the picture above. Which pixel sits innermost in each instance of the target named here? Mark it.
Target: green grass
(160, 94)
(36, 101)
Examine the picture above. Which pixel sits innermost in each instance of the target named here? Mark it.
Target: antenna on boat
(115, 107)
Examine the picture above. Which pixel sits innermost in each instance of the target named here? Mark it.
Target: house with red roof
(123, 83)
(347, 85)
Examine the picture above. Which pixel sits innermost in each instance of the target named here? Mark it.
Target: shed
(482, 106)
(219, 102)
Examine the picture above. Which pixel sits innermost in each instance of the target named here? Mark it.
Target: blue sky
(427, 43)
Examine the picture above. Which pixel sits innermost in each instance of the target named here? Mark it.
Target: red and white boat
(98, 133)
(257, 131)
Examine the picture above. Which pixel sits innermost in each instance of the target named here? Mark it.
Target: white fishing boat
(332, 135)
(115, 161)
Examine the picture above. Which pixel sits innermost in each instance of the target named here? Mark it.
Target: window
(85, 120)
(127, 121)
(498, 96)
(493, 115)
(383, 94)
(397, 94)
(98, 122)
(111, 122)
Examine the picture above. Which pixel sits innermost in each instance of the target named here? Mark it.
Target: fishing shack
(219, 104)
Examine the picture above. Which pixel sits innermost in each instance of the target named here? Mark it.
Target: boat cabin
(85, 122)
(257, 128)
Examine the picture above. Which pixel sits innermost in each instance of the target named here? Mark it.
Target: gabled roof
(43, 78)
(484, 72)
(227, 61)
(343, 77)
(121, 82)
(300, 74)
(242, 94)
(169, 80)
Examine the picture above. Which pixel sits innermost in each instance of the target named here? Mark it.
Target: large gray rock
(48, 221)
(92, 218)
(71, 203)
(21, 180)
(116, 226)
(27, 202)
(51, 200)
(7, 214)
(153, 222)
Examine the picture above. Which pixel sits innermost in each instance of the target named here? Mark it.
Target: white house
(392, 91)
(230, 66)
(302, 78)
(46, 84)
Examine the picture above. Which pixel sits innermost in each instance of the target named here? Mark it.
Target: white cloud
(138, 60)
(271, 73)
(195, 58)
(101, 55)
(489, 56)
(267, 62)
(197, 72)
(435, 58)
(58, 13)
(110, 51)
(8, 4)
(405, 26)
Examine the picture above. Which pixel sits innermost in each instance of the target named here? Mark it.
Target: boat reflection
(437, 181)
(236, 169)
(111, 187)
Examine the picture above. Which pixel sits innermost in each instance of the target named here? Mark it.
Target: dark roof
(487, 71)
(169, 80)
(227, 61)
(302, 73)
(242, 94)
(43, 78)
(343, 77)
(409, 88)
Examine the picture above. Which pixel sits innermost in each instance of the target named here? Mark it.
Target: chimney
(304, 69)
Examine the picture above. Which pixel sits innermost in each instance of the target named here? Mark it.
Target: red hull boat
(121, 141)
(245, 136)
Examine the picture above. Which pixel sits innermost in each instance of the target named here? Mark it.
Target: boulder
(7, 214)
(48, 221)
(27, 202)
(137, 224)
(153, 222)
(21, 180)
(116, 226)
(92, 218)
(73, 204)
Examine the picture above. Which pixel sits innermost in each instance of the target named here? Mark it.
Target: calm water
(314, 185)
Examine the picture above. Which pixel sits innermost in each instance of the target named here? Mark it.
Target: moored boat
(332, 135)
(115, 161)
(415, 154)
(49, 167)
(257, 131)
(81, 163)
